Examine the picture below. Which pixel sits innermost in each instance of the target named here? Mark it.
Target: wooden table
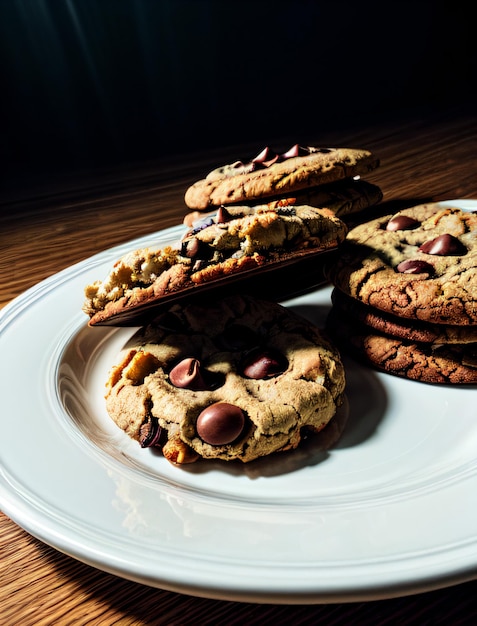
(51, 223)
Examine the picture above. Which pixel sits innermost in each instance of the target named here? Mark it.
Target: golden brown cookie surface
(401, 327)
(450, 363)
(418, 264)
(236, 242)
(270, 174)
(232, 379)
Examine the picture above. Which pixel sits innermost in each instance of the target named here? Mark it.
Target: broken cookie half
(235, 243)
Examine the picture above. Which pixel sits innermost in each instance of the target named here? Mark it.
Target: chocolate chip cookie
(235, 378)
(419, 264)
(235, 241)
(344, 198)
(271, 174)
(427, 362)
(400, 327)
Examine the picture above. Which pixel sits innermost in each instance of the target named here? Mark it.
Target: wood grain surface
(48, 224)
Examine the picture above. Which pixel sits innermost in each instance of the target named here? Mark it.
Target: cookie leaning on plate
(271, 175)
(239, 241)
(235, 378)
(420, 263)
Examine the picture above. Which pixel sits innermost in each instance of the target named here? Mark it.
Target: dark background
(88, 83)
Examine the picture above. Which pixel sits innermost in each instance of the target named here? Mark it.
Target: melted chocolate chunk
(415, 266)
(264, 363)
(402, 222)
(444, 245)
(150, 434)
(220, 423)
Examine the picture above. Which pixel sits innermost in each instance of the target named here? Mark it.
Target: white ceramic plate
(389, 510)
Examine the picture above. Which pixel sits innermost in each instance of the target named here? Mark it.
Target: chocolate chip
(414, 266)
(190, 248)
(402, 222)
(260, 364)
(267, 157)
(193, 248)
(187, 375)
(295, 151)
(223, 215)
(443, 245)
(220, 423)
(150, 434)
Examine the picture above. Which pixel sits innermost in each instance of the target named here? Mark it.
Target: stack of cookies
(215, 374)
(269, 213)
(405, 298)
